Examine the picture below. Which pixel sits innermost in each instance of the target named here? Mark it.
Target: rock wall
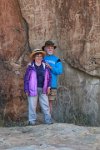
(41, 18)
(78, 98)
(80, 23)
(13, 44)
(74, 26)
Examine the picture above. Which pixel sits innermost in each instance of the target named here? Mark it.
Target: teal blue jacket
(57, 68)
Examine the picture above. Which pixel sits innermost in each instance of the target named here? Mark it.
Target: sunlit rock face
(74, 26)
(80, 41)
(41, 18)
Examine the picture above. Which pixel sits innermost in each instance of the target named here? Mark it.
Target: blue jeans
(44, 103)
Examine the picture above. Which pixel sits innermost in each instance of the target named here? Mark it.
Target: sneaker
(48, 123)
(31, 123)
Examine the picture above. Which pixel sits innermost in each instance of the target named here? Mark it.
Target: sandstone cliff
(74, 26)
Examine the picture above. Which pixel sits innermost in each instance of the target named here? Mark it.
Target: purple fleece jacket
(30, 80)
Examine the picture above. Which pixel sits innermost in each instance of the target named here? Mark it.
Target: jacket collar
(32, 64)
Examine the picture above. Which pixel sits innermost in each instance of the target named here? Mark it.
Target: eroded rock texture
(74, 26)
(41, 17)
(13, 43)
(12, 31)
(81, 27)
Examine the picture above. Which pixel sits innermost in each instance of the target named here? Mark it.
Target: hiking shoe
(31, 123)
(48, 123)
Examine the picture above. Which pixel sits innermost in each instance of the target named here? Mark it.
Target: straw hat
(37, 51)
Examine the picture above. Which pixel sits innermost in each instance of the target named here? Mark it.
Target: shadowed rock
(13, 43)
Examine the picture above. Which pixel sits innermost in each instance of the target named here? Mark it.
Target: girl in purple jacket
(36, 86)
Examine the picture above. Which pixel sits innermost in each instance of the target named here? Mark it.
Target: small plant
(78, 118)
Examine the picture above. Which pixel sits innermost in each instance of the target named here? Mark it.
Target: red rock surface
(74, 26)
(13, 42)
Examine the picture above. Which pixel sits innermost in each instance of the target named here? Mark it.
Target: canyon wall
(74, 26)
(13, 46)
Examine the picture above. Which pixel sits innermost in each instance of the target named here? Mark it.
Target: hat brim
(39, 52)
(48, 45)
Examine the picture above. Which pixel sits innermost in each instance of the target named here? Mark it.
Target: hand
(48, 90)
(48, 65)
(26, 94)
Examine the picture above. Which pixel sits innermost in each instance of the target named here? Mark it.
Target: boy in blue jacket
(56, 68)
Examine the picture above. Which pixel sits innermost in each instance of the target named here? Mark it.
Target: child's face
(49, 50)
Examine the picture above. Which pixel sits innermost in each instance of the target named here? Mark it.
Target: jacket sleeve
(49, 78)
(58, 68)
(26, 80)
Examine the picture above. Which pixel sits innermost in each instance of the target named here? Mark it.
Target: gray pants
(44, 103)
